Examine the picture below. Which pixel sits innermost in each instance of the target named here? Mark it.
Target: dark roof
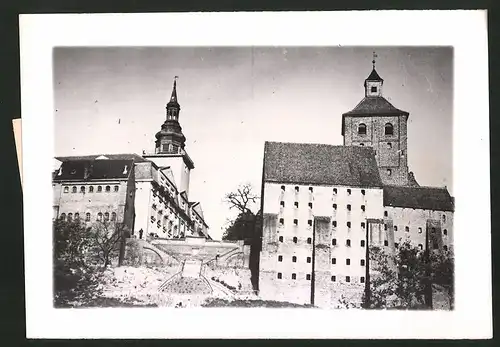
(374, 76)
(80, 170)
(124, 156)
(319, 164)
(429, 198)
(375, 105)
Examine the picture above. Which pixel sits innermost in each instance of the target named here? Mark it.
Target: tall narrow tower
(377, 123)
(170, 145)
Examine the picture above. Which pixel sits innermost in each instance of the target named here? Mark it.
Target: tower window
(362, 144)
(396, 245)
(279, 275)
(334, 261)
(294, 259)
(374, 89)
(407, 229)
(106, 216)
(362, 262)
(280, 258)
(296, 221)
(348, 261)
(386, 214)
(362, 243)
(294, 239)
(296, 203)
(444, 218)
(433, 230)
(309, 240)
(389, 129)
(348, 278)
(389, 172)
(385, 227)
(334, 242)
(334, 223)
(362, 129)
(294, 276)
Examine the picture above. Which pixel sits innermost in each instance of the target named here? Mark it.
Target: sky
(233, 99)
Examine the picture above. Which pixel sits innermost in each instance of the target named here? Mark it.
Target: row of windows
(407, 229)
(334, 241)
(348, 206)
(333, 278)
(388, 128)
(335, 191)
(420, 246)
(100, 217)
(309, 240)
(348, 261)
(294, 259)
(386, 214)
(74, 189)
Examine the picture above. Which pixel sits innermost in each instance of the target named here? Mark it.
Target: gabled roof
(375, 105)
(80, 170)
(429, 198)
(124, 156)
(374, 76)
(197, 209)
(319, 164)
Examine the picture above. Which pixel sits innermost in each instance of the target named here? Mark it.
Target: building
(148, 193)
(324, 206)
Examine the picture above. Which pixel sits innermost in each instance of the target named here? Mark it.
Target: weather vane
(373, 61)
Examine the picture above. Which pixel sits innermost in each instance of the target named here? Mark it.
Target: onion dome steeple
(170, 138)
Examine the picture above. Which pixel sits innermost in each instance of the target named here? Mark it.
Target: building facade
(149, 193)
(324, 206)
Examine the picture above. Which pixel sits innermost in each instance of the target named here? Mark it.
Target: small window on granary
(309, 240)
(294, 276)
(294, 239)
(334, 206)
(362, 225)
(282, 203)
(445, 248)
(389, 129)
(296, 203)
(362, 262)
(334, 242)
(87, 217)
(362, 129)
(283, 188)
(99, 216)
(444, 218)
(334, 261)
(363, 208)
(294, 259)
(279, 275)
(310, 222)
(311, 189)
(348, 261)
(77, 216)
(333, 278)
(363, 192)
(282, 221)
(106, 216)
(348, 224)
(445, 232)
(334, 191)
(308, 259)
(116, 188)
(296, 221)
(91, 189)
(348, 207)
(362, 144)
(113, 216)
(73, 189)
(334, 223)
(362, 243)
(308, 277)
(362, 279)
(396, 245)
(281, 238)
(280, 258)
(70, 217)
(420, 230)
(395, 228)
(63, 216)
(348, 192)
(297, 189)
(310, 205)
(386, 243)
(420, 246)
(348, 278)
(385, 226)
(385, 214)
(407, 229)
(348, 243)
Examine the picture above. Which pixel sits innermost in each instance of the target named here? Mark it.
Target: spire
(373, 84)
(173, 97)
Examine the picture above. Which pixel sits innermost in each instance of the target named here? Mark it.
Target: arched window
(99, 189)
(389, 129)
(66, 189)
(82, 189)
(108, 189)
(87, 217)
(77, 216)
(106, 216)
(91, 189)
(63, 216)
(113, 216)
(362, 129)
(99, 216)
(70, 217)
(73, 189)
(116, 188)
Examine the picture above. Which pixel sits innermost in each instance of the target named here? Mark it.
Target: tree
(106, 239)
(71, 242)
(242, 198)
(443, 273)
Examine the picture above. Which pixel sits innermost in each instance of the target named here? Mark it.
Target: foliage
(243, 227)
(402, 280)
(217, 302)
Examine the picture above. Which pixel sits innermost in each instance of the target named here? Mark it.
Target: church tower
(375, 122)
(170, 145)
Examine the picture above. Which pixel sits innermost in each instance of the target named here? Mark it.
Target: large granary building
(148, 193)
(324, 205)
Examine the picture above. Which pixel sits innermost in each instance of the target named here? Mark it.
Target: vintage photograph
(253, 176)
